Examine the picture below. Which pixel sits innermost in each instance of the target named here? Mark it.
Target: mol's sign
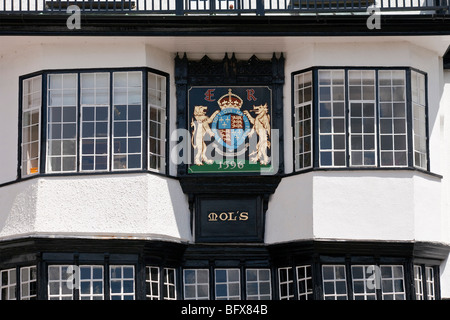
(230, 129)
(231, 219)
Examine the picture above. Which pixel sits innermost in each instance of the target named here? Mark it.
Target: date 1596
(225, 165)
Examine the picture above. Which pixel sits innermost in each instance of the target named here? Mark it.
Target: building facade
(224, 149)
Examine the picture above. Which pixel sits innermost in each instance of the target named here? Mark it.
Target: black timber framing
(229, 72)
(293, 25)
(43, 252)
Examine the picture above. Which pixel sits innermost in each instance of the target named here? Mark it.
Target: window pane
(127, 102)
(392, 282)
(28, 279)
(31, 125)
(122, 282)
(62, 121)
(334, 282)
(95, 122)
(169, 284)
(286, 283)
(152, 283)
(59, 287)
(332, 118)
(362, 117)
(227, 284)
(91, 282)
(364, 282)
(393, 136)
(419, 119)
(304, 281)
(196, 284)
(8, 284)
(157, 121)
(258, 285)
(431, 289)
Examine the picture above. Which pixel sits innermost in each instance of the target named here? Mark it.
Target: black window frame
(315, 164)
(144, 121)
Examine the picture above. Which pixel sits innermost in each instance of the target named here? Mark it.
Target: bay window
(93, 121)
(360, 117)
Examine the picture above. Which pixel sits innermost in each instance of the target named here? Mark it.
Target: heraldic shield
(230, 129)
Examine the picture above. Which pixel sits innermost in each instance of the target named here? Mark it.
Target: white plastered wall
(445, 191)
(130, 206)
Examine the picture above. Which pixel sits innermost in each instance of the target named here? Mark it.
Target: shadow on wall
(180, 206)
(291, 210)
(18, 204)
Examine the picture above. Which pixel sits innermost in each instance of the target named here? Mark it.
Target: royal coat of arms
(230, 129)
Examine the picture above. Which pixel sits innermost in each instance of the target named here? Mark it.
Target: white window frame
(198, 4)
(418, 282)
(335, 280)
(64, 292)
(332, 118)
(149, 282)
(258, 281)
(419, 119)
(95, 105)
(288, 283)
(62, 123)
(300, 122)
(29, 105)
(391, 281)
(367, 280)
(90, 281)
(228, 283)
(363, 134)
(28, 277)
(300, 271)
(8, 289)
(160, 108)
(122, 295)
(393, 119)
(196, 284)
(127, 137)
(168, 284)
(431, 287)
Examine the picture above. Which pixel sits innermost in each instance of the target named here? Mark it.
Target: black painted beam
(145, 25)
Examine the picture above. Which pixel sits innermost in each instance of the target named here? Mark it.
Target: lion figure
(200, 129)
(261, 125)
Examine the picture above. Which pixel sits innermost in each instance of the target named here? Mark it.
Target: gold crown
(230, 100)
